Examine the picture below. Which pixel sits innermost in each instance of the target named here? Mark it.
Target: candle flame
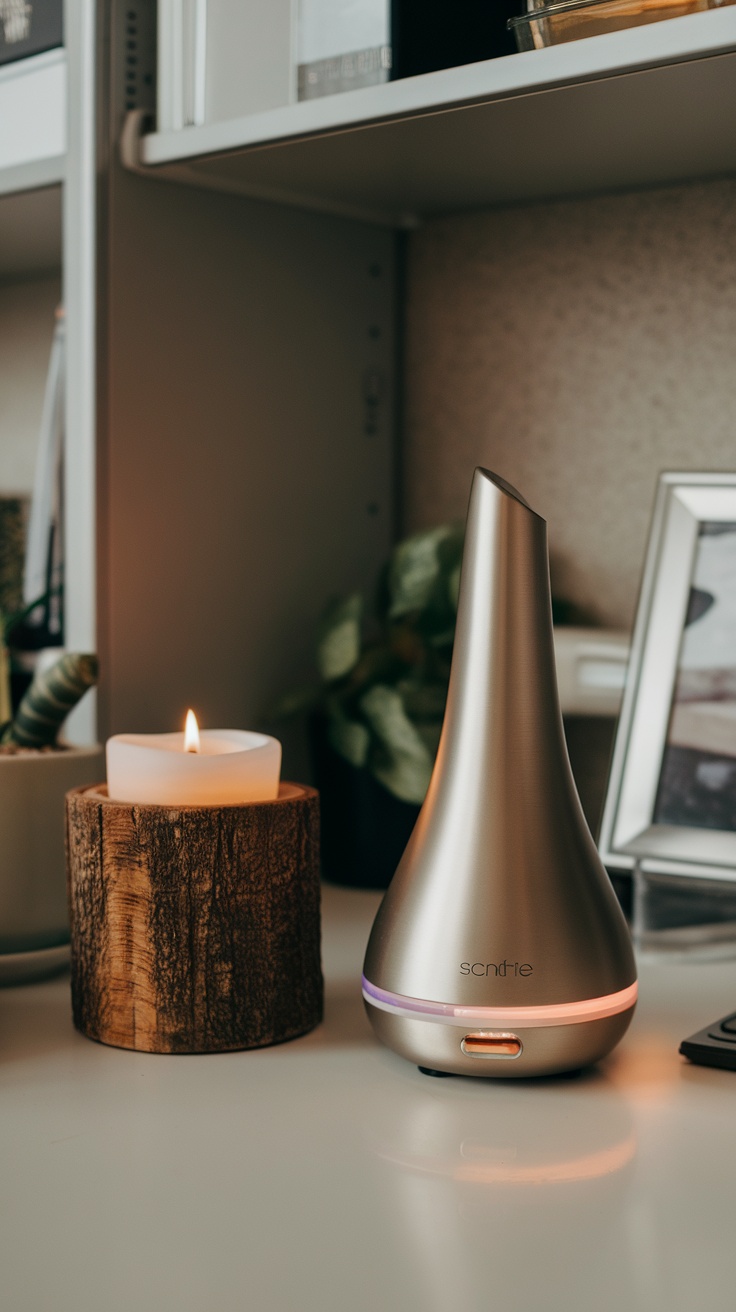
(191, 733)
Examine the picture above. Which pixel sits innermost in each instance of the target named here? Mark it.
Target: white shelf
(33, 115)
(32, 163)
(649, 105)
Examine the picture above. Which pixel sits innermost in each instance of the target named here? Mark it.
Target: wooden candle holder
(196, 928)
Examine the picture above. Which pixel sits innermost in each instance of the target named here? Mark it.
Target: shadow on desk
(35, 1020)
(345, 1024)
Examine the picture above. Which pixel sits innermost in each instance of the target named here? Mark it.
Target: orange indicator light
(485, 1044)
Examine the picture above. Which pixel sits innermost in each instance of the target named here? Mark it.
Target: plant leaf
(338, 644)
(429, 732)
(423, 699)
(10, 622)
(350, 738)
(453, 587)
(414, 569)
(400, 760)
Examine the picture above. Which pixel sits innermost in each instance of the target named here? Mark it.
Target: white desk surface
(328, 1175)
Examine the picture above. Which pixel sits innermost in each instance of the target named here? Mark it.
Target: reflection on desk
(327, 1174)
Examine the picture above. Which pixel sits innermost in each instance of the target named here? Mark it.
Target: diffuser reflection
(467, 1170)
(468, 1141)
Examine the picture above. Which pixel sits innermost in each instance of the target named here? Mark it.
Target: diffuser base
(544, 1050)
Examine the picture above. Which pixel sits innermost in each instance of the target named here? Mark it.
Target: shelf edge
(33, 175)
(696, 36)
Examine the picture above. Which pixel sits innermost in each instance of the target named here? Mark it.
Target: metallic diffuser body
(500, 948)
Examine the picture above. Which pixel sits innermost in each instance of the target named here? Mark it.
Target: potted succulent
(36, 771)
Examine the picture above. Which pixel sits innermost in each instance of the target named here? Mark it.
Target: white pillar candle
(223, 767)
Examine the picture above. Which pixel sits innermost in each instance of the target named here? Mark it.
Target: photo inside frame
(697, 784)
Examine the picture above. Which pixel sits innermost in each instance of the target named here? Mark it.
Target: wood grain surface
(194, 929)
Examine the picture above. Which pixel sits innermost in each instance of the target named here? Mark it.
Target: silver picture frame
(676, 716)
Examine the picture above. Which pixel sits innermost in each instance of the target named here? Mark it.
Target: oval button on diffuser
(486, 1043)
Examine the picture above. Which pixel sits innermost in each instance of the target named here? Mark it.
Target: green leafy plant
(384, 675)
(8, 623)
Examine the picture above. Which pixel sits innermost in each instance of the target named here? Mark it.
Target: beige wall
(26, 332)
(578, 348)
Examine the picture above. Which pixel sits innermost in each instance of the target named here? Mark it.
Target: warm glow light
(191, 733)
(589, 1166)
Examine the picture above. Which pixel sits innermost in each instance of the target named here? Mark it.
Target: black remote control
(713, 1046)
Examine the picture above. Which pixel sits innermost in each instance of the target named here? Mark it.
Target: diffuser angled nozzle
(500, 947)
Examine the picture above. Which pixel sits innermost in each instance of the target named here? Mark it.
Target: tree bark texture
(194, 929)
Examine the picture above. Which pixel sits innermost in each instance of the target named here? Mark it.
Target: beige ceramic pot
(34, 925)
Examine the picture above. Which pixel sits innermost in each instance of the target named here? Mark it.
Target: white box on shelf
(591, 670)
(342, 46)
(222, 59)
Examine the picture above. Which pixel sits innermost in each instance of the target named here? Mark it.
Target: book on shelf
(427, 35)
(342, 46)
(29, 27)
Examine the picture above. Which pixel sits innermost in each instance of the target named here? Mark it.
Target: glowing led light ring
(562, 1013)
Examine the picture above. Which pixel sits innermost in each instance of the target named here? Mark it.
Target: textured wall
(578, 348)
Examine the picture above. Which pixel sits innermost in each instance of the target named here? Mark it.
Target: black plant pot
(364, 827)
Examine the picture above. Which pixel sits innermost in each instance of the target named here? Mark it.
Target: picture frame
(670, 807)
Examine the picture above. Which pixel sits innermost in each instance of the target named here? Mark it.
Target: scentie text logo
(502, 968)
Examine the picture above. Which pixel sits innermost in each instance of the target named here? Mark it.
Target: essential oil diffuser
(500, 948)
